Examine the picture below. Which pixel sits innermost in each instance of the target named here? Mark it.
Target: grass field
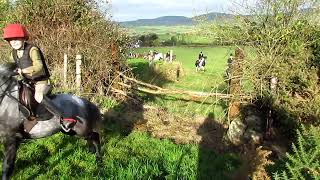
(211, 80)
(136, 156)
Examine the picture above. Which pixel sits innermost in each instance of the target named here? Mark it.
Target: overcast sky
(126, 10)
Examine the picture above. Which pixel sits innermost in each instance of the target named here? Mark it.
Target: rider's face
(16, 43)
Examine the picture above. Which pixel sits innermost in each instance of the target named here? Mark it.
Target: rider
(200, 55)
(31, 65)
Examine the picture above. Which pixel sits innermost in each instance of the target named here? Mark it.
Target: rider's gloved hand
(19, 71)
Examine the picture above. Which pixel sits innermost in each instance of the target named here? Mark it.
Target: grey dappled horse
(11, 119)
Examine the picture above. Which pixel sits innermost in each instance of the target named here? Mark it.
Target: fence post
(65, 69)
(235, 83)
(78, 70)
(171, 55)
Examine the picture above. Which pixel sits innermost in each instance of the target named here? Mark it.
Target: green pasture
(211, 80)
(196, 39)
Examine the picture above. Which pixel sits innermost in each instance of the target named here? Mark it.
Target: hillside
(176, 20)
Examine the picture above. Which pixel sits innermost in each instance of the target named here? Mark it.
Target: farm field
(162, 29)
(199, 81)
(182, 33)
(211, 80)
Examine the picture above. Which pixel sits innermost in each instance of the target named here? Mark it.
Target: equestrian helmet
(13, 31)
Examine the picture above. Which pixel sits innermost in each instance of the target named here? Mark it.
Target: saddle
(34, 112)
(29, 107)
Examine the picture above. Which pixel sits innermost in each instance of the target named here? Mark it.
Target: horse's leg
(94, 144)
(10, 151)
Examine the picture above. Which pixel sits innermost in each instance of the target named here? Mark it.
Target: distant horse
(157, 56)
(13, 115)
(200, 64)
(167, 56)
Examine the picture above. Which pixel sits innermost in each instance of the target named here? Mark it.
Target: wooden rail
(152, 89)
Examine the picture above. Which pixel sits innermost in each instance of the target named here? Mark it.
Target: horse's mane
(7, 68)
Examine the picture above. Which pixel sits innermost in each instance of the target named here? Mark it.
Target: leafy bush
(304, 161)
(149, 39)
(75, 27)
(281, 40)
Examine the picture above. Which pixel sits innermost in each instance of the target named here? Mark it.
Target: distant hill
(175, 20)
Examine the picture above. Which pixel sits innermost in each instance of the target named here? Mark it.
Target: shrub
(75, 27)
(304, 161)
(281, 40)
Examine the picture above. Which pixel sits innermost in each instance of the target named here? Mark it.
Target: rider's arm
(37, 65)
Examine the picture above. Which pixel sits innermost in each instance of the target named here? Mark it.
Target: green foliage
(174, 40)
(284, 47)
(151, 39)
(4, 9)
(74, 27)
(284, 43)
(304, 161)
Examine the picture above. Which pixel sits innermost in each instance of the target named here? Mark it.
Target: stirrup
(64, 128)
(67, 129)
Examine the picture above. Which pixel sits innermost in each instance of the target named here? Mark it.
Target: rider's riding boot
(52, 108)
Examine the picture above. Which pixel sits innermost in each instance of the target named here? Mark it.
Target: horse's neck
(8, 87)
(9, 107)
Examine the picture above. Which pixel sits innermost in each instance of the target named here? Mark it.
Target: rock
(236, 131)
(253, 136)
(254, 122)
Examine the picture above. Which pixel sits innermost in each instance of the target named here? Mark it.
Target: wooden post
(78, 70)
(171, 55)
(235, 83)
(65, 69)
(150, 55)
